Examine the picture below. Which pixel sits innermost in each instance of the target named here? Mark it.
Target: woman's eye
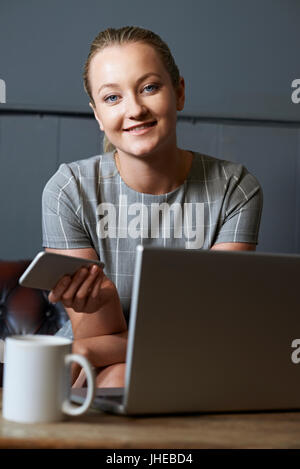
(113, 97)
(108, 100)
(154, 87)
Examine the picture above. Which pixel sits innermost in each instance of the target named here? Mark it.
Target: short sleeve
(62, 227)
(242, 208)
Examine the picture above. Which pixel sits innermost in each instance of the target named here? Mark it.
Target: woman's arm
(103, 350)
(233, 247)
(101, 335)
(90, 316)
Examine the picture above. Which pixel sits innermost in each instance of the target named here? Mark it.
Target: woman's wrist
(103, 350)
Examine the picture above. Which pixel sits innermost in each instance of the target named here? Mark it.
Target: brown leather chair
(25, 310)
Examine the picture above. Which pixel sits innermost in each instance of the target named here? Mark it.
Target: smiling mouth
(141, 127)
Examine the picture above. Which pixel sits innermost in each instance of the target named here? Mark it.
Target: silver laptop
(209, 331)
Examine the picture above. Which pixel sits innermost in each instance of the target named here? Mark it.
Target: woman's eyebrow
(143, 77)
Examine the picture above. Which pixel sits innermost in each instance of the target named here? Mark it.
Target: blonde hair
(124, 35)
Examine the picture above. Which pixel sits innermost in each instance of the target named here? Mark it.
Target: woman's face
(131, 86)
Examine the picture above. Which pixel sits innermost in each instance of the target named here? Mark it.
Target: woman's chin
(141, 150)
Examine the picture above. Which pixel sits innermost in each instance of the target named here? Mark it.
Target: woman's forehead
(129, 58)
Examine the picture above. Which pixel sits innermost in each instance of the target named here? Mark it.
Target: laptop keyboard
(117, 399)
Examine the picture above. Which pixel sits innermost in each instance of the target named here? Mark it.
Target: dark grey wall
(32, 147)
(238, 58)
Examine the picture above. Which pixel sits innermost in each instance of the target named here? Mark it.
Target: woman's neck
(154, 174)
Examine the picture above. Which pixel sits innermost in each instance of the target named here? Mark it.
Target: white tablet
(47, 268)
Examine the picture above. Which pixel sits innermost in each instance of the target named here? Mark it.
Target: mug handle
(67, 406)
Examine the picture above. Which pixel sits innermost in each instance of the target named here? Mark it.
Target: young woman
(104, 206)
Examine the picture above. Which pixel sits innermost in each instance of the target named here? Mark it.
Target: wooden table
(100, 430)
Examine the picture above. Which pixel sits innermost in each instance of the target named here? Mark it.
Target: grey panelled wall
(272, 154)
(28, 149)
(32, 147)
(238, 57)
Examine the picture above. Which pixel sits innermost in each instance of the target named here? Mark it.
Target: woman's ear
(180, 95)
(97, 117)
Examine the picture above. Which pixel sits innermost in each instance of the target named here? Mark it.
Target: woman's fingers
(82, 297)
(55, 294)
(78, 278)
(95, 290)
(75, 292)
(87, 285)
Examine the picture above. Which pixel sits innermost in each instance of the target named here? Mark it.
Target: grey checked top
(86, 204)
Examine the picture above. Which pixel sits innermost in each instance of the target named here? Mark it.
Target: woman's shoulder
(211, 167)
(212, 163)
(86, 169)
(91, 167)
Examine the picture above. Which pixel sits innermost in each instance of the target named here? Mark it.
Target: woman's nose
(135, 107)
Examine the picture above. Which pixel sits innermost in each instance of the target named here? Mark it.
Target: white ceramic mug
(37, 379)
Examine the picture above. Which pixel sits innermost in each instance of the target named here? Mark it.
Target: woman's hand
(86, 291)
